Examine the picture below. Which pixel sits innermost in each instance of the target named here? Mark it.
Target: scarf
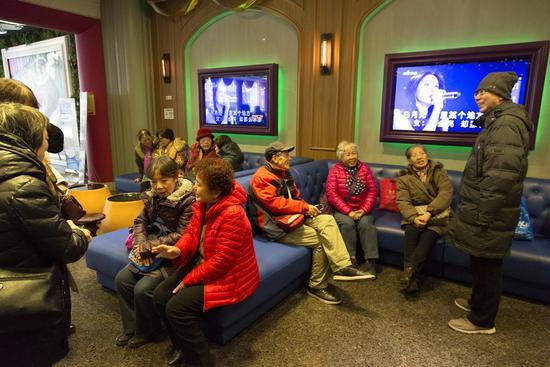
(147, 154)
(353, 184)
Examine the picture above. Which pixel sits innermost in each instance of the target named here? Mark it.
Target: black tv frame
(536, 52)
(271, 70)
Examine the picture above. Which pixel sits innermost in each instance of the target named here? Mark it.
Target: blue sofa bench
(125, 182)
(526, 272)
(283, 269)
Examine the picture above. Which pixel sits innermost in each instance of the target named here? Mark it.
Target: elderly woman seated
(351, 191)
(217, 264)
(424, 195)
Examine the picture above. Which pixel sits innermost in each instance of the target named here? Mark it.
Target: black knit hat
(55, 139)
(499, 83)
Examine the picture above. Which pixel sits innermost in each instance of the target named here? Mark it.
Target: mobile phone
(319, 206)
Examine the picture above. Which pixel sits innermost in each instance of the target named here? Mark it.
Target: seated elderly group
(191, 249)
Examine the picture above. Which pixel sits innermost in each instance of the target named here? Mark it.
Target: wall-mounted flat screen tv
(429, 96)
(240, 100)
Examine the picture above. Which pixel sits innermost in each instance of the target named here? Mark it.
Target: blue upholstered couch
(526, 272)
(125, 182)
(284, 268)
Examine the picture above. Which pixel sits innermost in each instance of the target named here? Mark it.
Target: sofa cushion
(310, 179)
(537, 197)
(282, 269)
(125, 182)
(107, 255)
(279, 265)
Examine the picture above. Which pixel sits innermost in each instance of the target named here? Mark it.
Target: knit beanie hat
(499, 83)
(204, 132)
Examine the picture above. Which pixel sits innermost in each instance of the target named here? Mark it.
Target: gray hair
(25, 122)
(342, 146)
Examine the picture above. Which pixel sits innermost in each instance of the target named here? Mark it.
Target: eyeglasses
(480, 92)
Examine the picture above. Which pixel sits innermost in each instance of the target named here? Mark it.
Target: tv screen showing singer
(439, 97)
(238, 100)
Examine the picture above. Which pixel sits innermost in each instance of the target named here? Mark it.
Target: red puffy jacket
(337, 192)
(195, 155)
(229, 272)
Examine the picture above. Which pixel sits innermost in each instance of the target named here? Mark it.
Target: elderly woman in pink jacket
(351, 191)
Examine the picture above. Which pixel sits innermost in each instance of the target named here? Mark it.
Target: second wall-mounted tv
(240, 100)
(428, 96)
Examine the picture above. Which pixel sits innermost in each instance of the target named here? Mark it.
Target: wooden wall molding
(326, 104)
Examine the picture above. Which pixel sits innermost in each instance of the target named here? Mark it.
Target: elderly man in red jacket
(274, 195)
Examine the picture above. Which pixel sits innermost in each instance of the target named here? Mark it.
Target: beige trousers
(321, 234)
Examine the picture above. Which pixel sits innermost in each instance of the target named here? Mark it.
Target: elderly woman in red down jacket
(217, 261)
(351, 191)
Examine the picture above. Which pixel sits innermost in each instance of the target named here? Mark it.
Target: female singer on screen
(426, 97)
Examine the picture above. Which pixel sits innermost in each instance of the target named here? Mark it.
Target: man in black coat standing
(490, 194)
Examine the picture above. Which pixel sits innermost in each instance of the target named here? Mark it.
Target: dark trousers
(182, 313)
(486, 290)
(135, 297)
(368, 236)
(418, 243)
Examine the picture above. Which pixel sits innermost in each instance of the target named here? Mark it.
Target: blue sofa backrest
(256, 160)
(253, 161)
(311, 178)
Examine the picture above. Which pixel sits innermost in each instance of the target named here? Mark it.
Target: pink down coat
(337, 193)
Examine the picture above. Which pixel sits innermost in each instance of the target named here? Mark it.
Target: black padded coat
(490, 192)
(33, 235)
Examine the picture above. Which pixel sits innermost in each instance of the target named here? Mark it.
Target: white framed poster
(43, 66)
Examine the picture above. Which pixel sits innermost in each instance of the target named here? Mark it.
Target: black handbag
(31, 298)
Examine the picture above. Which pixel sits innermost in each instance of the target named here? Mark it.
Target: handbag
(289, 222)
(440, 219)
(140, 256)
(31, 298)
(388, 191)
(71, 208)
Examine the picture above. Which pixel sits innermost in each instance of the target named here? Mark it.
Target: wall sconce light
(165, 65)
(326, 53)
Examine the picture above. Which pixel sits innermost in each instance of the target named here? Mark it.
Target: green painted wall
(421, 25)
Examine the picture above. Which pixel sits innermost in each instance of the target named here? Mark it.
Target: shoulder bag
(31, 298)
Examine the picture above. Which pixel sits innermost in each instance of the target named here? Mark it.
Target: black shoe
(324, 295)
(123, 339)
(406, 277)
(354, 262)
(350, 273)
(136, 342)
(72, 329)
(371, 267)
(413, 285)
(174, 357)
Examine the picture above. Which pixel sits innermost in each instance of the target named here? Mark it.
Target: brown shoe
(463, 325)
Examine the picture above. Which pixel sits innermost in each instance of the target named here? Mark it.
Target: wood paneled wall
(326, 104)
